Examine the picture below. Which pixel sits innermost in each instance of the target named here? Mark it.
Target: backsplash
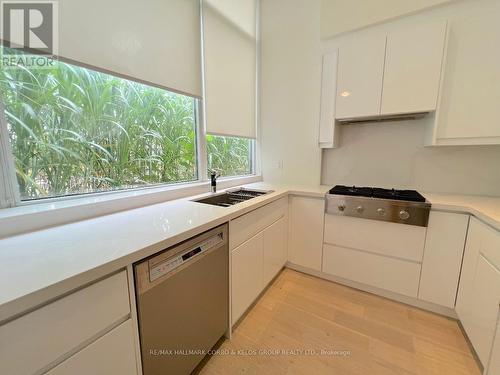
(393, 155)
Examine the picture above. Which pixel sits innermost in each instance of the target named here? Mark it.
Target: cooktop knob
(341, 208)
(404, 215)
(360, 209)
(381, 211)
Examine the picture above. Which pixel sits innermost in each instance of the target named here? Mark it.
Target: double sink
(230, 198)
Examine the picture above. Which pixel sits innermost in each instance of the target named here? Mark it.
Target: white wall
(392, 155)
(340, 16)
(290, 90)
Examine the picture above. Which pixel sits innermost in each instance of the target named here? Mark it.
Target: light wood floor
(303, 315)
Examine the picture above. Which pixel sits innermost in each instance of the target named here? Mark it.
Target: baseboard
(428, 306)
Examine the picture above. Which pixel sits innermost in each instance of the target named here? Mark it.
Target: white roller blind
(157, 41)
(230, 66)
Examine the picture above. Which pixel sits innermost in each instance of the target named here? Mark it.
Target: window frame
(12, 205)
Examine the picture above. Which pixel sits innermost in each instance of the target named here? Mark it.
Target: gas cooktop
(401, 195)
(397, 206)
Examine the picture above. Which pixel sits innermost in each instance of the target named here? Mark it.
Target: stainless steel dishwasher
(182, 302)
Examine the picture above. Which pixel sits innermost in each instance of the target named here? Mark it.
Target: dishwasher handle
(171, 264)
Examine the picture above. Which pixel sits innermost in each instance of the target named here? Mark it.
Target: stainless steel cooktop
(397, 206)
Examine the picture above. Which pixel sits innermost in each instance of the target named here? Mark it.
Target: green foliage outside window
(74, 130)
(231, 156)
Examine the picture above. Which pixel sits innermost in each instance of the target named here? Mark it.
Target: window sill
(35, 216)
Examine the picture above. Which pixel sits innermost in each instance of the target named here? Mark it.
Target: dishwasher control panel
(178, 260)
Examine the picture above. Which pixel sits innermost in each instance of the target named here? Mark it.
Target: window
(73, 130)
(229, 155)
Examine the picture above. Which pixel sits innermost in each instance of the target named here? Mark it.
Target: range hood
(382, 118)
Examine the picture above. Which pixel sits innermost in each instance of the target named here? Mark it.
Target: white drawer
(490, 245)
(244, 227)
(397, 240)
(392, 274)
(40, 338)
(113, 353)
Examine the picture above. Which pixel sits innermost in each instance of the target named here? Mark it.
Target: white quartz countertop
(40, 266)
(486, 209)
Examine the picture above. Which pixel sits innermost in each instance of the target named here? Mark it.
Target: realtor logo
(30, 27)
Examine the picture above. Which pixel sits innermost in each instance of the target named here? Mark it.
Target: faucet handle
(213, 180)
(214, 173)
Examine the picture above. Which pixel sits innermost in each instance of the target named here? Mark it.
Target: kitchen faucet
(213, 180)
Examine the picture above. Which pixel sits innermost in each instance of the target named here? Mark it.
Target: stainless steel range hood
(382, 118)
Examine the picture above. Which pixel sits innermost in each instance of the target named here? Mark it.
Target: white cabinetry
(246, 274)
(258, 245)
(328, 132)
(375, 253)
(305, 240)
(35, 342)
(494, 368)
(412, 72)
(444, 248)
(479, 294)
(275, 249)
(469, 111)
(113, 353)
(392, 73)
(375, 270)
(360, 74)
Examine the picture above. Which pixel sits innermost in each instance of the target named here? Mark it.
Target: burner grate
(394, 194)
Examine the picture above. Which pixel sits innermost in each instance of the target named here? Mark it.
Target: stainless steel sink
(230, 198)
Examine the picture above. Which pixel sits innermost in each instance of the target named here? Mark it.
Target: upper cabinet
(412, 73)
(328, 134)
(395, 73)
(445, 63)
(360, 77)
(469, 113)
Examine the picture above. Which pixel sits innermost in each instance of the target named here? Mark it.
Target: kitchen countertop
(486, 209)
(39, 266)
(43, 265)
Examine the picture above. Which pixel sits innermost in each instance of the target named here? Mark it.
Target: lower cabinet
(113, 353)
(494, 367)
(376, 270)
(246, 275)
(305, 245)
(275, 249)
(40, 339)
(443, 253)
(375, 253)
(479, 293)
(257, 260)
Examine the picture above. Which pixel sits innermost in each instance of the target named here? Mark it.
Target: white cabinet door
(48, 333)
(360, 74)
(383, 272)
(305, 238)
(380, 237)
(444, 248)
(113, 353)
(246, 275)
(485, 299)
(275, 249)
(469, 110)
(479, 293)
(494, 367)
(328, 134)
(244, 227)
(412, 71)
(471, 255)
